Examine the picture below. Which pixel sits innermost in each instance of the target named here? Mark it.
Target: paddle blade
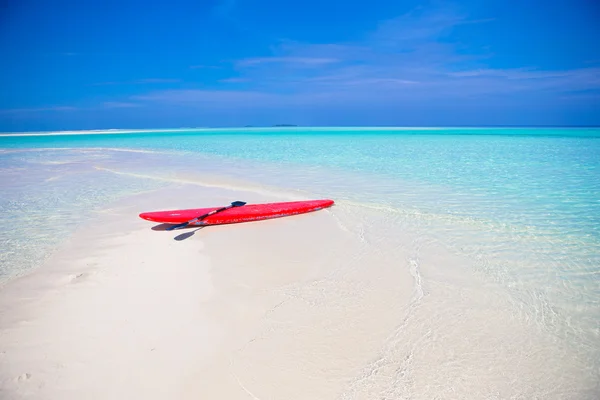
(238, 203)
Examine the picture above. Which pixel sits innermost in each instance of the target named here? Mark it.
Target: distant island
(280, 125)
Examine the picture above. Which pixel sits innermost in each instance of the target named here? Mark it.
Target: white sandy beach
(305, 307)
(456, 145)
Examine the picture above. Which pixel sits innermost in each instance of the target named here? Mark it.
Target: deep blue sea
(522, 203)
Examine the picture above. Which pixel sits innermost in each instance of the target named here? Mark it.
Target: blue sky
(128, 64)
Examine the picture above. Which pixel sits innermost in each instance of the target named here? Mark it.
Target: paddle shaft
(201, 217)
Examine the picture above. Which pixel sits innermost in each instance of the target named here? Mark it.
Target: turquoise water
(546, 178)
(522, 204)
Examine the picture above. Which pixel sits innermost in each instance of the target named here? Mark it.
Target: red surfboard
(245, 213)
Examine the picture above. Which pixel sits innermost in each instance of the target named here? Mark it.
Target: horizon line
(284, 127)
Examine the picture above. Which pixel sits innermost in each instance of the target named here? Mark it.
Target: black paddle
(201, 217)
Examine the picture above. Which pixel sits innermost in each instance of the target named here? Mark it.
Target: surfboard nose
(146, 216)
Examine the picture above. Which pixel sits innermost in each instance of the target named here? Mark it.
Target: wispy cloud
(205, 67)
(512, 73)
(139, 82)
(119, 104)
(416, 27)
(157, 80)
(297, 61)
(530, 79)
(227, 98)
(68, 109)
(233, 80)
(201, 96)
(378, 81)
(16, 111)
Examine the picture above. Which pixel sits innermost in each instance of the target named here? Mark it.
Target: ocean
(519, 206)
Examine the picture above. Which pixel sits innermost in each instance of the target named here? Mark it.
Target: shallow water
(518, 210)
